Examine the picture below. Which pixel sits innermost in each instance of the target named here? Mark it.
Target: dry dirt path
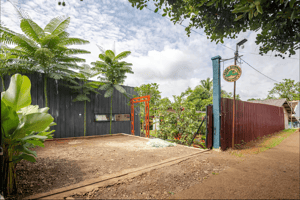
(273, 174)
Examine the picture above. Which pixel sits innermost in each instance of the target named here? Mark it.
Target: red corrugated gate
(252, 120)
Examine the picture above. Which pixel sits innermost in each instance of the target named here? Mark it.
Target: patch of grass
(261, 144)
(237, 154)
(214, 173)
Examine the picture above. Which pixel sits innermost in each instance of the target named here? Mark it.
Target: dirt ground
(164, 182)
(273, 174)
(270, 174)
(66, 162)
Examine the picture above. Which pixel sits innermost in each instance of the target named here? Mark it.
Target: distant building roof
(276, 102)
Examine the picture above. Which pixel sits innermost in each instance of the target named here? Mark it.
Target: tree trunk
(45, 90)
(110, 114)
(3, 85)
(84, 118)
(9, 172)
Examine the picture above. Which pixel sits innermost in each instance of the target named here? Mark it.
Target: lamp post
(236, 54)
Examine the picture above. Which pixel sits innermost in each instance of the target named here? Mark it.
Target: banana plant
(23, 126)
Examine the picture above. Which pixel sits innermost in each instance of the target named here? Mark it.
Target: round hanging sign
(232, 73)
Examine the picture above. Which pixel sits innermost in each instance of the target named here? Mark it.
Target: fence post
(216, 101)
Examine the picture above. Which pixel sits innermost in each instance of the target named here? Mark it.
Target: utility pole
(236, 54)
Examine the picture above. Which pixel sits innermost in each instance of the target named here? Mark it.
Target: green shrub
(180, 123)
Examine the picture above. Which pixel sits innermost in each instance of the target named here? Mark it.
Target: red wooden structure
(145, 99)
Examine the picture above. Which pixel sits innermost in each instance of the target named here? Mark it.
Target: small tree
(23, 126)
(288, 89)
(85, 87)
(114, 73)
(46, 49)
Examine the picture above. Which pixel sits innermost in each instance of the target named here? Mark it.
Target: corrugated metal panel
(252, 121)
(66, 113)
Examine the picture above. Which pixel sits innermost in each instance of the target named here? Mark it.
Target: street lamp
(236, 54)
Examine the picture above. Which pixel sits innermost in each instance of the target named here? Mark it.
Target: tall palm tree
(114, 73)
(46, 49)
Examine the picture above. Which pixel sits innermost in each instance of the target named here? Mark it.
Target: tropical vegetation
(277, 21)
(46, 50)
(152, 90)
(23, 126)
(84, 87)
(113, 73)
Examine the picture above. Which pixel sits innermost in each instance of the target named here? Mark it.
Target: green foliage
(278, 20)
(200, 97)
(113, 73)
(229, 95)
(182, 122)
(288, 89)
(46, 49)
(23, 126)
(152, 90)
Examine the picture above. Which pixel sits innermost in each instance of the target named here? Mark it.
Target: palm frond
(122, 55)
(76, 51)
(67, 59)
(7, 35)
(57, 25)
(110, 54)
(31, 29)
(25, 43)
(73, 41)
(50, 41)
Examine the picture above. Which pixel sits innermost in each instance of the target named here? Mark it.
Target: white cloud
(161, 51)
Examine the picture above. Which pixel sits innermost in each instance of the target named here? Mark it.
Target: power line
(259, 71)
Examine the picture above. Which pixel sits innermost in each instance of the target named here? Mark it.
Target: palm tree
(114, 73)
(46, 49)
(207, 84)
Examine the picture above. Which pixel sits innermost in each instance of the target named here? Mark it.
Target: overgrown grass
(261, 144)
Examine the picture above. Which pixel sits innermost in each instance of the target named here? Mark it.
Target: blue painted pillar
(216, 101)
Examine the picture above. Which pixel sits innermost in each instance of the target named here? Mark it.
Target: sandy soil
(164, 182)
(66, 162)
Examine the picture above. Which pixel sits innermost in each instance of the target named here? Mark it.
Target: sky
(161, 52)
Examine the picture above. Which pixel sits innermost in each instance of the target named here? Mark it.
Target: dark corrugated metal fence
(252, 120)
(69, 115)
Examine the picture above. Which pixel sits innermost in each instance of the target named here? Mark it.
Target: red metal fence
(252, 120)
